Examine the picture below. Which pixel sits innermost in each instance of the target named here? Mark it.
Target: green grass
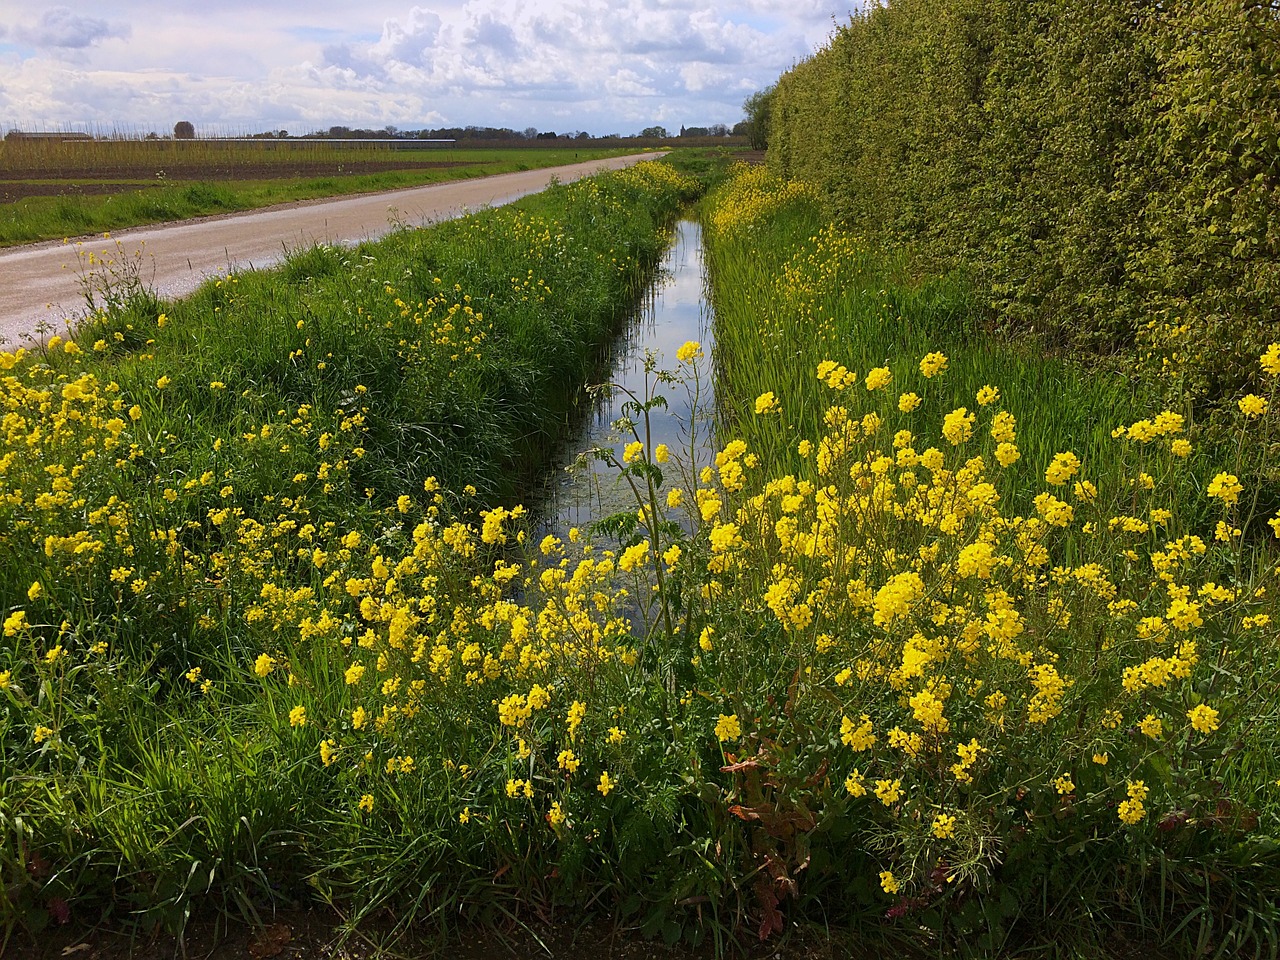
(272, 634)
(50, 218)
(310, 398)
(790, 290)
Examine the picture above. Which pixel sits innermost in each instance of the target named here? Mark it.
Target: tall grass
(269, 409)
(852, 668)
(1104, 521)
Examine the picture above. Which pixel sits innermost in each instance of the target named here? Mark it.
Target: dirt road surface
(40, 284)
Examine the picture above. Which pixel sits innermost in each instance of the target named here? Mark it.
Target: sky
(245, 66)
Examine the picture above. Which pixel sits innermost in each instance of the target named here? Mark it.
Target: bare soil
(318, 935)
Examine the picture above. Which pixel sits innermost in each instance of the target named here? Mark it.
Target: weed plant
(1018, 541)
(270, 409)
(865, 665)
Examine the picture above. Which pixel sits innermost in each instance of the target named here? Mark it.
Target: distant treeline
(1097, 165)
(492, 134)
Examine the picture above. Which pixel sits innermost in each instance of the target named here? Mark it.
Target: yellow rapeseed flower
(568, 762)
(933, 364)
(1270, 360)
(690, 350)
(766, 403)
(888, 792)
(728, 727)
(957, 426)
(878, 378)
(1252, 405)
(858, 736)
(1203, 718)
(1225, 487)
(1063, 468)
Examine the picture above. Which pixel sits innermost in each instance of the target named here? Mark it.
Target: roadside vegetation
(1012, 620)
(963, 643)
(946, 652)
(191, 492)
(50, 190)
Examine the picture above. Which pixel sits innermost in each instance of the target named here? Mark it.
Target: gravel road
(40, 283)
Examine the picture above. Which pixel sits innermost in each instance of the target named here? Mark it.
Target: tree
(184, 130)
(758, 107)
(659, 132)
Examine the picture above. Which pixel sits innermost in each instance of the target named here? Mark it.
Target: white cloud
(600, 65)
(61, 27)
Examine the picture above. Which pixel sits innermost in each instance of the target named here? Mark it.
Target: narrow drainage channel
(672, 311)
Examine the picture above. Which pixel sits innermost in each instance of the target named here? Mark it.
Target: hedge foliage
(1110, 170)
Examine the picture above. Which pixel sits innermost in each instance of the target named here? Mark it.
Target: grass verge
(864, 666)
(1055, 664)
(368, 391)
(50, 218)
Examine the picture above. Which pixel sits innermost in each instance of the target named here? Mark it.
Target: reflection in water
(673, 311)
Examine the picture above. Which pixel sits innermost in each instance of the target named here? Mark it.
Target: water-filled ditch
(672, 311)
